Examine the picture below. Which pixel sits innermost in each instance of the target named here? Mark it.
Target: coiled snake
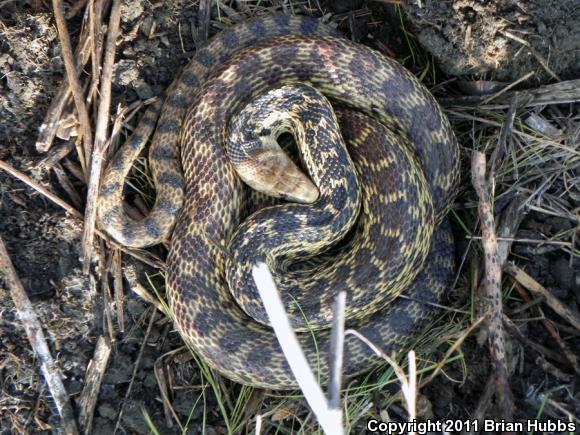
(405, 158)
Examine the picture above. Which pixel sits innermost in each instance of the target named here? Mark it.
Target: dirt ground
(501, 40)
(449, 43)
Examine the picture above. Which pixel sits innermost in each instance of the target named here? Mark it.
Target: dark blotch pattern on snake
(406, 160)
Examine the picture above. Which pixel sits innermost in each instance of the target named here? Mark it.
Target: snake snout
(271, 171)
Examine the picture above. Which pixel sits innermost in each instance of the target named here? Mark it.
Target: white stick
(329, 419)
(336, 351)
(33, 328)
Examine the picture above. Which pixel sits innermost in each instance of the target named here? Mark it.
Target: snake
(383, 169)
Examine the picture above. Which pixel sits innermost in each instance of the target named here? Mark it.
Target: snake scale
(405, 160)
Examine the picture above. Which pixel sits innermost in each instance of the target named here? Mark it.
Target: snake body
(404, 153)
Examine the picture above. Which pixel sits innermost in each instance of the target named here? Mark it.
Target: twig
(141, 256)
(100, 136)
(95, 373)
(492, 286)
(130, 275)
(94, 26)
(117, 271)
(258, 429)
(104, 264)
(329, 419)
(50, 124)
(515, 332)
(55, 155)
(410, 389)
(510, 221)
(532, 241)
(67, 185)
(508, 87)
(551, 329)
(536, 288)
(553, 370)
(408, 384)
(48, 128)
(556, 93)
(163, 384)
(505, 132)
(45, 192)
(74, 169)
(450, 351)
(526, 136)
(33, 328)
(72, 75)
(563, 410)
(336, 352)
(528, 303)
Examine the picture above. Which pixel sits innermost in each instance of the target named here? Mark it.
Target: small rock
(126, 72)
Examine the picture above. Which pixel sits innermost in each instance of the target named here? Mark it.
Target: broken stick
(492, 286)
(31, 324)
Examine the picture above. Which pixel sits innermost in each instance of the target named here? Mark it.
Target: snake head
(268, 169)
